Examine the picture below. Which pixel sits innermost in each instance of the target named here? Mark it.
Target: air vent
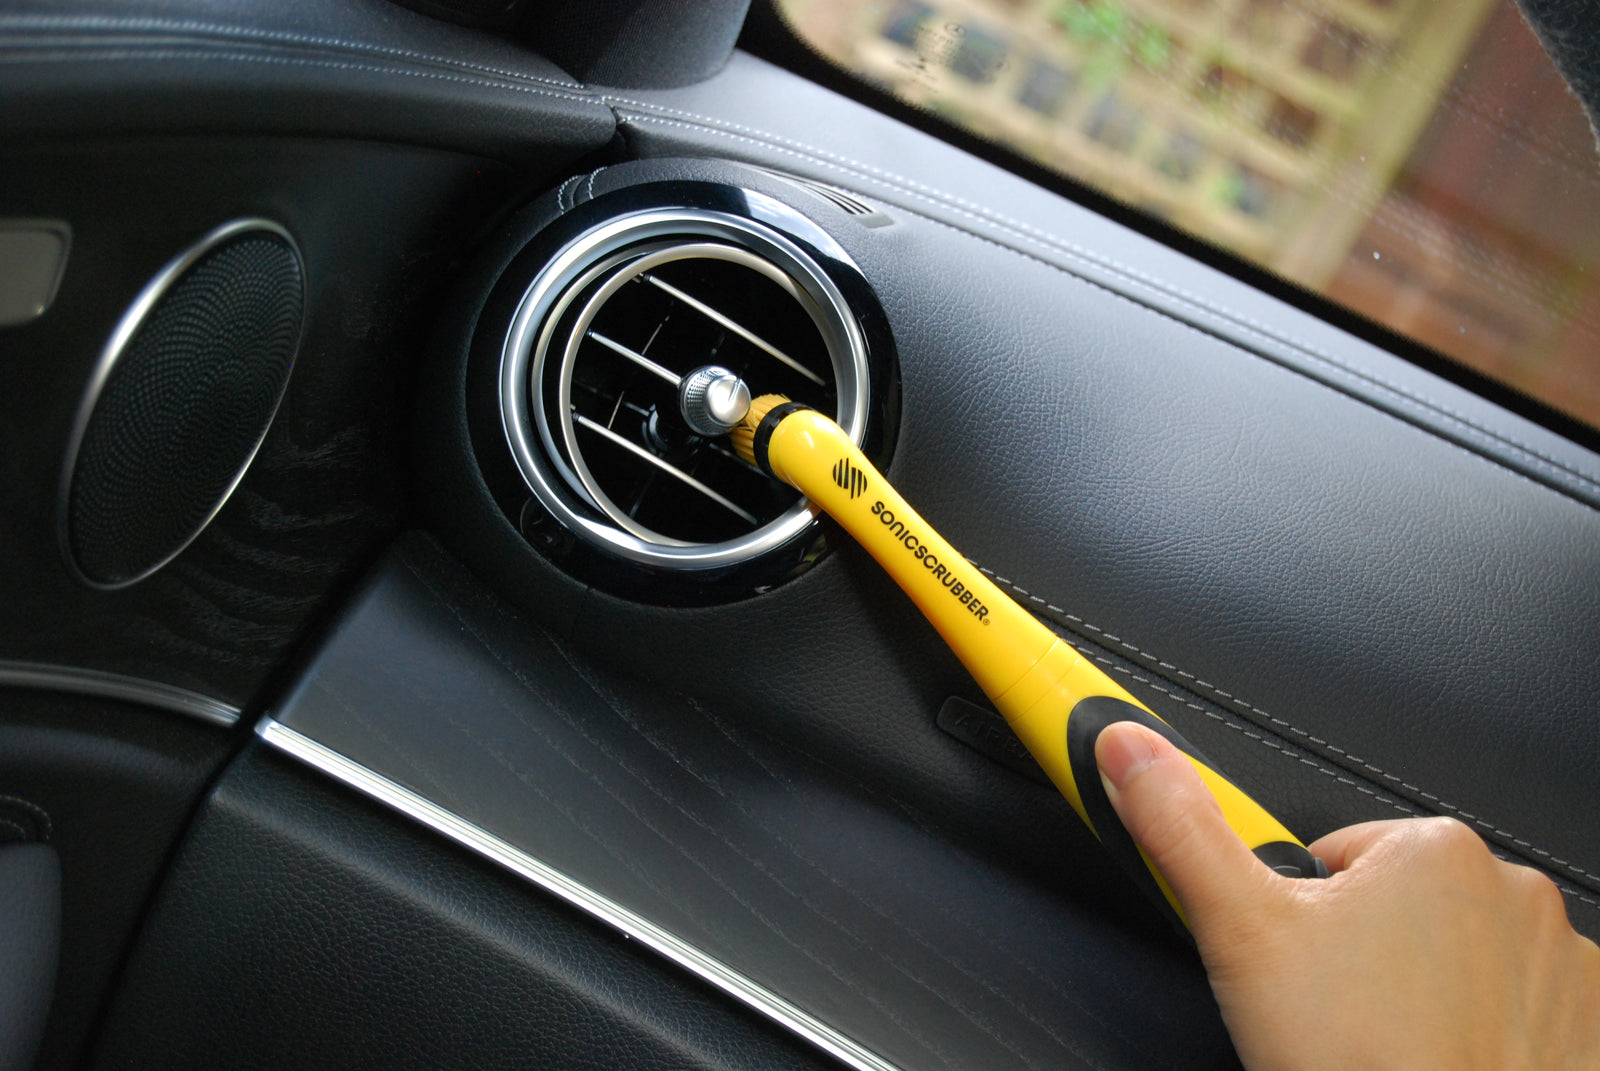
(595, 361)
(840, 199)
(837, 197)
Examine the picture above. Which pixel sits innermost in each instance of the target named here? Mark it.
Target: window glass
(1419, 161)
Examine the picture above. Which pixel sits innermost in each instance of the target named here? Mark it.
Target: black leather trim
(821, 135)
(345, 68)
(1308, 561)
(110, 786)
(1251, 723)
(30, 935)
(1309, 793)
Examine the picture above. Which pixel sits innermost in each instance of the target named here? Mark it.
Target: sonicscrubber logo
(848, 477)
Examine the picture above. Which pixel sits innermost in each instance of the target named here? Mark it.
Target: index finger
(1339, 849)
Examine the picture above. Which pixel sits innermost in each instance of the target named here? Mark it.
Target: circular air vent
(603, 347)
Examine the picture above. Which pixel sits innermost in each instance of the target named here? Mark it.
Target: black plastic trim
(764, 430)
(490, 300)
(840, 901)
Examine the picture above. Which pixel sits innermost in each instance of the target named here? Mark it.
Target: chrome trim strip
(54, 678)
(126, 328)
(580, 896)
(672, 470)
(743, 332)
(637, 358)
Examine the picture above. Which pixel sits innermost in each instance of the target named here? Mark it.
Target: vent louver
(596, 356)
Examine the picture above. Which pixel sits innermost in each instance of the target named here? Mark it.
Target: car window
(1419, 162)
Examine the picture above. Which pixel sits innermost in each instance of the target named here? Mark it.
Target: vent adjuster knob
(713, 400)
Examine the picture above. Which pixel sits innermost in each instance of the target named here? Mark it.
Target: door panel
(658, 811)
(376, 225)
(110, 786)
(304, 928)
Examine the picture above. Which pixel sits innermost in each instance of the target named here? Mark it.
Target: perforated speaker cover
(180, 401)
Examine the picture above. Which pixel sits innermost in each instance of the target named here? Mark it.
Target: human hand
(1420, 951)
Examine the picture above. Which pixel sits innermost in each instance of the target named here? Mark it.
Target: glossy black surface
(465, 365)
(303, 927)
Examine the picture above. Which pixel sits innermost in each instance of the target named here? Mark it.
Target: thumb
(1175, 819)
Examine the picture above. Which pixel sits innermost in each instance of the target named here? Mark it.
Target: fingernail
(1112, 793)
(1123, 752)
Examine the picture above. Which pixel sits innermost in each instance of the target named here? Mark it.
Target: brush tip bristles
(743, 437)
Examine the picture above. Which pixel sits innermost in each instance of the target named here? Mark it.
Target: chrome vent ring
(596, 357)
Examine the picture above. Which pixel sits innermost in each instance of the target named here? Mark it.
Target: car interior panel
(393, 673)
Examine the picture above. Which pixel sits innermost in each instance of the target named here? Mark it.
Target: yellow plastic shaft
(1033, 677)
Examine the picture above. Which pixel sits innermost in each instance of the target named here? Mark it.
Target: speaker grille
(183, 397)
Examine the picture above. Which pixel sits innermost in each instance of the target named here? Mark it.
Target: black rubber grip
(1084, 725)
(1291, 860)
(764, 430)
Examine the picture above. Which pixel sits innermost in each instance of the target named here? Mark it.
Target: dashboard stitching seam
(1561, 476)
(1554, 468)
(1170, 693)
(563, 190)
(1377, 794)
(1076, 621)
(245, 57)
(39, 814)
(1134, 277)
(51, 22)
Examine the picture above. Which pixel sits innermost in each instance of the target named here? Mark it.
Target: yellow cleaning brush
(1055, 700)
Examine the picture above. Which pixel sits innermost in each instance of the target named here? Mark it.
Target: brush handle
(1055, 700)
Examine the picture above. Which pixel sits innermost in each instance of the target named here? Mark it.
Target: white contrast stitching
(562, 190)
(1033, 235)
(1321, 769)
(1403, 405)
(52, 22)
(241, 57)
(1430, 797)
